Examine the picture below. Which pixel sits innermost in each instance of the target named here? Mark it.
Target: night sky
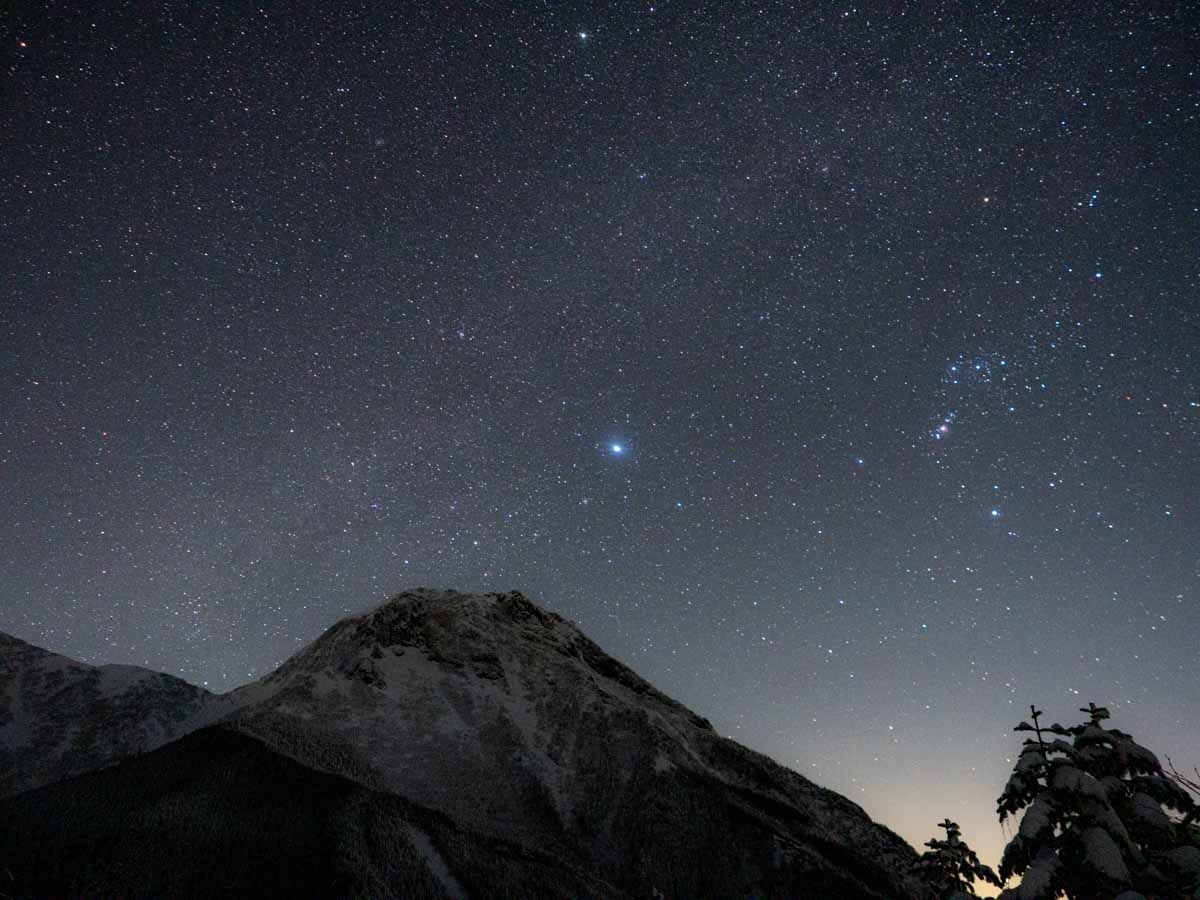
(838, 369)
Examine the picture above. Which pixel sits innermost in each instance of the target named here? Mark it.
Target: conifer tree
(1096, 819)
(950, 867)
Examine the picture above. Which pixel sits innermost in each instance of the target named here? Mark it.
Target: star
(834, 356)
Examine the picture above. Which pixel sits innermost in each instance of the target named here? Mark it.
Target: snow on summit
(506, 719)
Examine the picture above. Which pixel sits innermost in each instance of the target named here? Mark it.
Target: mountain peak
(420, 616)
(483, 635)
(505, 718)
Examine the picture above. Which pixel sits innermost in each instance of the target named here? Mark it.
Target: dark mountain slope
(479, 725)
(219, 814)
(512, 722)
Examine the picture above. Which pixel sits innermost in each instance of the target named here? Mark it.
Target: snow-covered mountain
(59, 717)
(508, 722)
(507, 717)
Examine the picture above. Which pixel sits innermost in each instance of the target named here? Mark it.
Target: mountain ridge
(60, 717)
(505, 718)
(278, 828)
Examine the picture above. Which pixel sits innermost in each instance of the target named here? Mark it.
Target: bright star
(616, 448)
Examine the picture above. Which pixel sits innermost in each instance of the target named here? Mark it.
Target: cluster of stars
(817, 364)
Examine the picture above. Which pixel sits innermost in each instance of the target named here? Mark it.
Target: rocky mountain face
(59, 717)
(487, 722)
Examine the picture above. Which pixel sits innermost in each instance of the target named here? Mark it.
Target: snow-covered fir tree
(950, 867)
(1101, 818)
(1191, 784)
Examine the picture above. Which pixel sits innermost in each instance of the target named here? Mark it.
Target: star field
(837, 369)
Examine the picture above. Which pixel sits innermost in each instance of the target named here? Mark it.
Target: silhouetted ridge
(218, 813)
(505, 720)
